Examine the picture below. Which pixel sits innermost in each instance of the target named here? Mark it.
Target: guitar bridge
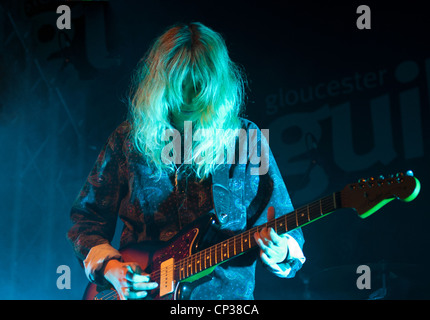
(167, 283)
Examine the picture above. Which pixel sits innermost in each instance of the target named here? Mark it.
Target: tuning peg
(399, 176)
(371, 181)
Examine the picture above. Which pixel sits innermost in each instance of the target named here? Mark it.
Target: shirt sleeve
(94, 213)
(265, 187)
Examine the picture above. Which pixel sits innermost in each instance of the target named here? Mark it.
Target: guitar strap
(221, 193)
(228, 191)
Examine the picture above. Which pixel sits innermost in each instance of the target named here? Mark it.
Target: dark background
(341, 104)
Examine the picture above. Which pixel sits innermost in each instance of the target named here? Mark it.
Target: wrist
(109, 265)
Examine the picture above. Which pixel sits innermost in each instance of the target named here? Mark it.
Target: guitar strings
(110, 295)
(188, 262)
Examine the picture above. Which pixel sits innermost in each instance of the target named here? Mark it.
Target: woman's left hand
(273, 248)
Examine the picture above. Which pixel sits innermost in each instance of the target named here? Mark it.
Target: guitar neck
(244, 242)
(303, 215)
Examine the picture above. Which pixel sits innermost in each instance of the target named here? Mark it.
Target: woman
(177, 158)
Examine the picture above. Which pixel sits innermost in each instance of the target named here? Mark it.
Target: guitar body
(150, 256)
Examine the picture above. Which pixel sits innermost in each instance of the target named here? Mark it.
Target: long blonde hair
(186, 51)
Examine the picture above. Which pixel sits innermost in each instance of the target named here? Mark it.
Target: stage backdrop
(341, 103)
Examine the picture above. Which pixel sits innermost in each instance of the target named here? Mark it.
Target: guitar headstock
(369, 195)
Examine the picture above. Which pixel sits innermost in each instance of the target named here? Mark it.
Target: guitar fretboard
(245, 241)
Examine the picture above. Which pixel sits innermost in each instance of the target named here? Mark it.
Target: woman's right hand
(128, 279)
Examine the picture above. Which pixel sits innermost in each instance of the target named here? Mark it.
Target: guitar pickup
(167, 283)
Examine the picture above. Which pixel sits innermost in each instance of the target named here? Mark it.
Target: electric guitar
(177, 264)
